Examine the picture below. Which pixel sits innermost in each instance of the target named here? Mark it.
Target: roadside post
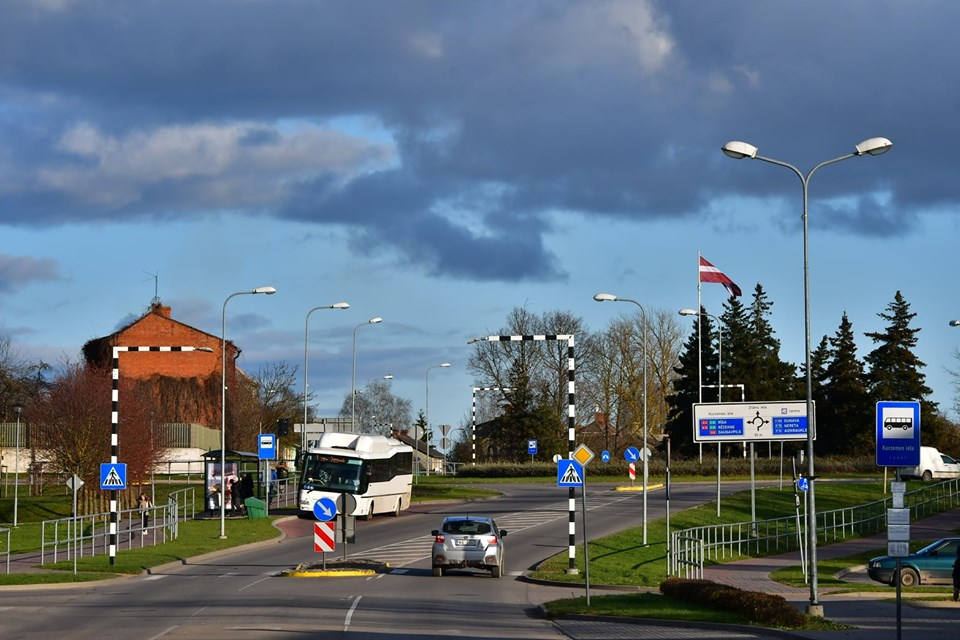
(324, 539)
(266, 451)
(898, 445)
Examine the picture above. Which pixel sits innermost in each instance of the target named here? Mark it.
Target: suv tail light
(439, 539)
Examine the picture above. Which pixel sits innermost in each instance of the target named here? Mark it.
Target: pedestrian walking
(236, 497)
(144, 504)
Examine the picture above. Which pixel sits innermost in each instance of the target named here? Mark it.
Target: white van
(933, 466)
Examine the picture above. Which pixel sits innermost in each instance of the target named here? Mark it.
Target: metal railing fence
(721, 542)
(87, 535)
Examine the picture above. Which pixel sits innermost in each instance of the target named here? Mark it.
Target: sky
(438, 164)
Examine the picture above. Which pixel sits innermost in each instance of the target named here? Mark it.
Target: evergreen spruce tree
(845, 422)
(894, 370)
(679, 424)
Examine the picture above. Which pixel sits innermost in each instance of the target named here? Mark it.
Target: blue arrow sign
(113, 475)
(569, 473)
(605, 456)
(325, 509)
(631, 454)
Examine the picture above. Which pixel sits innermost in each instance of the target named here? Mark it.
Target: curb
(650, 487)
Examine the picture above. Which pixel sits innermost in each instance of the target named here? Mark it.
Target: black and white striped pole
(571, 424)
(115, 430)
(473, 416)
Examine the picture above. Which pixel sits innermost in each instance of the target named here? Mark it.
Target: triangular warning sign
(571, 476)
(113, 479)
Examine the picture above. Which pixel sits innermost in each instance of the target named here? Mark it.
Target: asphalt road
(240, 594)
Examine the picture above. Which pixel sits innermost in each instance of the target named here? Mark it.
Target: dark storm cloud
(500, 114)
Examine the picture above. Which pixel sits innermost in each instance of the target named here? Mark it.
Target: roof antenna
(156, 286)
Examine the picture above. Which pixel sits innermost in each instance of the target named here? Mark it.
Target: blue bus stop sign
(532, 447)
(898, 434)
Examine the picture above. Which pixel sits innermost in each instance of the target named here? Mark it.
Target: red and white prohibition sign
(324, 538)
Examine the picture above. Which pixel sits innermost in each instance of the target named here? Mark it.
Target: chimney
(160, 310)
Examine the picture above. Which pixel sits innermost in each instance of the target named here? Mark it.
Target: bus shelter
(240, 469)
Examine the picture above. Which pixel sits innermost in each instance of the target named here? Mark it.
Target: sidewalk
(873, 613)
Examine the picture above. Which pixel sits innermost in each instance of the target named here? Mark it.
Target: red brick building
(184, 385)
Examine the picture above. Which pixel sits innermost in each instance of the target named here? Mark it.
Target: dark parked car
(470, 542)
(931, 565)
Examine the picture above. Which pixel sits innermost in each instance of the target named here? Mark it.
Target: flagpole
(699, 344)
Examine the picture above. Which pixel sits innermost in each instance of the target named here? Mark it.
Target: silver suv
(468, 541)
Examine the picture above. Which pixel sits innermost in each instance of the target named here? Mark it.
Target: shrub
(759, 607)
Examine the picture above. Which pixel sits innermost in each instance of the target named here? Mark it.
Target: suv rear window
(467, 527)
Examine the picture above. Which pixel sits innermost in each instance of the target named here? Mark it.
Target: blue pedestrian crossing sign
(569, 473)
(113, 475)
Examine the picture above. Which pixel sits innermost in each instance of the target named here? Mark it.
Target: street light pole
(691, 312)
(16, 466)
(353, 382)
(426, 407)
(609, 297)
(306, 337)
(223, 403)
(739, 150)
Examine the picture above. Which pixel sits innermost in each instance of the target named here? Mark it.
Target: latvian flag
(709, 273)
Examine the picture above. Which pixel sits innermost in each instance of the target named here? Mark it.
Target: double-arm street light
(353, 380)
(644, 453)
(691, 312)
(426, 407)
(223, 403)
(739, 150)
(306, 337)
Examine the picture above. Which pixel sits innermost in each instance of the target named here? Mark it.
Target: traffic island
(337, 569)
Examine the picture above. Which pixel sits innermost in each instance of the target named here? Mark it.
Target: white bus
(376, 469)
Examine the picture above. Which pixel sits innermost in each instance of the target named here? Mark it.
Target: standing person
(236, 496)
(144, 503)
(956, 576)
(213, 500)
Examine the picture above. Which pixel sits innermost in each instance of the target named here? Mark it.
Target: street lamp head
(739, 150)
(605, 297)
(955, 323)
(18, 408)
(389, 376)
(340, 305)
(688, 312)
(376, 320)
(445, 364)
(874, 146)
(267, 290)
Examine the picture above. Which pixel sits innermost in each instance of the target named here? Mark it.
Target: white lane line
(346, 622)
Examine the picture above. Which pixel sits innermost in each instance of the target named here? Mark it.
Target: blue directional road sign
(113, 475)
(569, 473)
(631, 454)
(803, 484)
(532, 447)
(267, 446)
(605, 456)
(325, 509)
(898, 434)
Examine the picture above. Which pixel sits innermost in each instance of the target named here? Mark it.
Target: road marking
(346, 622)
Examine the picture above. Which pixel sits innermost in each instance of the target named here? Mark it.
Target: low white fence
(691, 548)
(5, 535)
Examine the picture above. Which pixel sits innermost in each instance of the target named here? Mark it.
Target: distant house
(186, 385)
(427, 457)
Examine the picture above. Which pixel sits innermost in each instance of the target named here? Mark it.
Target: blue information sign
(532, 447)
(803, 484)
(631, 454)
(898, 434)
(789, 426)
(720, 427)
(325, 509)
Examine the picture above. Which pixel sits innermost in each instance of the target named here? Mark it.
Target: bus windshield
(334, 473)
